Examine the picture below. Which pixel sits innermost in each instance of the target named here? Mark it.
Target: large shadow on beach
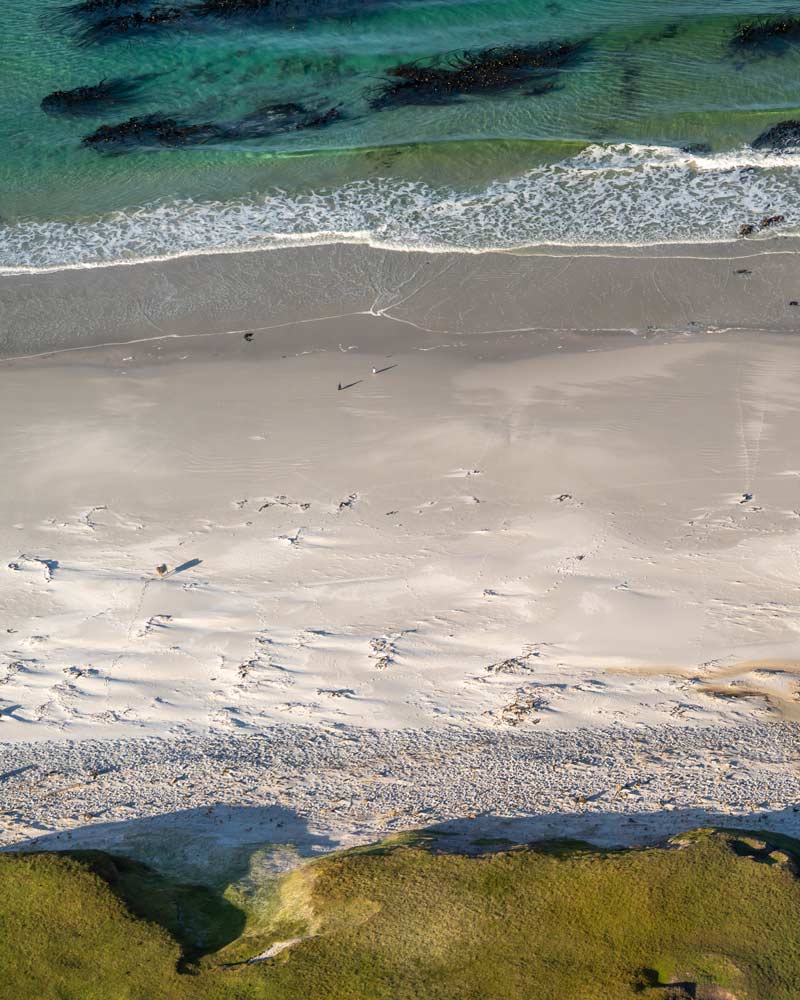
(213, 844)
(492, 832)
(224, 844)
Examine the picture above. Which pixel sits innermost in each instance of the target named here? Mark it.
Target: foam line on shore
(625, 195)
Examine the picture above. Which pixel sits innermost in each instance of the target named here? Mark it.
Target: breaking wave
(622, 195)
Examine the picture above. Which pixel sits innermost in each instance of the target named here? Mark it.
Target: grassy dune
(718, 912)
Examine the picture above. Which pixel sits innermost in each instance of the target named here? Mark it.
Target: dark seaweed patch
(668, 31)
(487, 71)
(630, 90)
(101, 6)
(277, 10)
(152, 130)
(767, 34)
(121, 19)
(91, 99)
(236, 8)
(783, 136)
(109, 27)
(158, 131)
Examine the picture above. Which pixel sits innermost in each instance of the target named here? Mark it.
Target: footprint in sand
(516, 664)
(383, 650)
(525, 706)
(567, 499)
(17, 666)
(156, 622)
(50, 565)
(281, 501)
(291, 539)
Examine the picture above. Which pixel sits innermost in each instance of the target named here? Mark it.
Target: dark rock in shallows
(783, 136)
(769, 34)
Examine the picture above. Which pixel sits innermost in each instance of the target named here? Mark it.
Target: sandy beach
(554, 497)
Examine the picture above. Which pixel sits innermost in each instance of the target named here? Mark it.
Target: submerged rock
(783, 136)
(697, 149)
(770, 33)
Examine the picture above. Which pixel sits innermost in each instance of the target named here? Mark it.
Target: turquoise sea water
(642, 136)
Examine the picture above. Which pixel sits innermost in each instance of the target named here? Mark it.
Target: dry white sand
(500, 532)
(483, 535)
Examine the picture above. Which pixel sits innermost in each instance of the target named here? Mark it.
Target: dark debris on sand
(494, 70)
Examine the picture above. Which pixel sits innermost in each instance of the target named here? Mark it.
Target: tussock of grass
(715, 911)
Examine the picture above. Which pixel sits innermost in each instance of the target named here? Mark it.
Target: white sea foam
(604, 196)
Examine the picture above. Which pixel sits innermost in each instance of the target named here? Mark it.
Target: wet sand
(745, 285)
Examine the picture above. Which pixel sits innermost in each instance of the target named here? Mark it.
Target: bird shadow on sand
(189, 564)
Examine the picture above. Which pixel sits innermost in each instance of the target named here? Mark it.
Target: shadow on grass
(200, 919)
(174, 869)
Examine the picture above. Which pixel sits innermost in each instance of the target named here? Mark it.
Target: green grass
(557, 921)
